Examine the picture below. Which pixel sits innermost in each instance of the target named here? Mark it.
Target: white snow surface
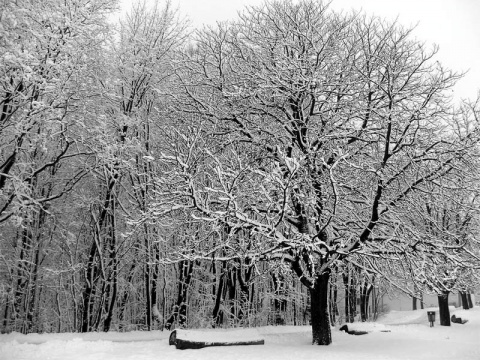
(410, 337)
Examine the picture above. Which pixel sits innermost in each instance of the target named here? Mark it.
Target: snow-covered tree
(310, 127)
(125, 138)
(46, 51)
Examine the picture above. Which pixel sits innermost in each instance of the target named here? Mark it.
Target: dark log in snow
(458, 320)
(188, 339)
(352, 332)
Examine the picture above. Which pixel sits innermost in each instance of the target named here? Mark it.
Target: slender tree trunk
(216, 318)
(180, 308)
(321, 331)
(20, 302)
(5, 327)
(363, 304)
(443, 309)
(246, 291)
(279, 302)
(111, 304)
(31, 304)
(333, 299)
(91, 274)
(182, 313)
(415, 297)
(374, 304)
(231, 286)
(125, 295)
(148, 295)
(350, 298)
(346, 285)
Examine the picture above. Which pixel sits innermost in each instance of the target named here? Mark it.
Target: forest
(280, 168)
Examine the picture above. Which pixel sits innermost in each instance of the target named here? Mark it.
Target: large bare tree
(309, 128)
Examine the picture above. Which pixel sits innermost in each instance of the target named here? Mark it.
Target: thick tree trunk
(469, 300)
(443, 309)
(414, 303)
(464, 299)
(321, 331)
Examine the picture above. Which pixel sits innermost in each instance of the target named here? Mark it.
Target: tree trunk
(365, 291)
(415, 297)
(279, 301)
(182, 312)
(217, 319)
(111, 300)
(374, 304)
(469, 300)
(321, 331)
(246, 292)
(126, 293)
(333, 300)
(443, 309)
(464, 299)
(346, 283)
(350, 297)
(148, 293)
(180, 309)
(231, 285)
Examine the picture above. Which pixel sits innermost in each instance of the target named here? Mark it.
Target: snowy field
(410, 337)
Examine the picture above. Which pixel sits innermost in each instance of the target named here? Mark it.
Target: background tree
(46, 53)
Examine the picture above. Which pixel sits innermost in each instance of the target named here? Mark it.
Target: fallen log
(352, 332)
(190, 339)
(458, 320)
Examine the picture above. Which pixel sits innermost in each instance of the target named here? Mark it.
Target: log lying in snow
(352, 332)
(190, 339)
(458, 320)
(363, 328)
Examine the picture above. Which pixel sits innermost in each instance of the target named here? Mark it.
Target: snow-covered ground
(410, 337)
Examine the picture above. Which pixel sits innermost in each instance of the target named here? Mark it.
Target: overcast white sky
(454, 25)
